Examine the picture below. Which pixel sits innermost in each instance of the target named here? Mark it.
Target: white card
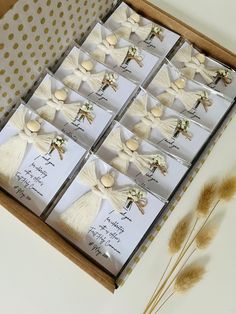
(135, 71)
(39, 177)
(179, 145)
(138, 36)
(211, 117)
(218, 85)
(109, 98)
(86, 130)
(113, 236)
(161, 181)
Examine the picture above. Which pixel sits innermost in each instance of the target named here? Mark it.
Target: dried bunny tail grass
(227, 188)
(188, 277)
(206, 198)
(205, 237)
(179, 234)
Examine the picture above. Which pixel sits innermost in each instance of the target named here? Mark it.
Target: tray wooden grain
(35, 223)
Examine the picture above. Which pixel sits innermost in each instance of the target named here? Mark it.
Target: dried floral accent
(139, 198)
(207, 196)
(227, 189)
(86, 112)
(188, 277)
(57, 144)
(110, 79)
(159, 162)
(182, 128)
(179, 234)
(133, 54)
(205, 237)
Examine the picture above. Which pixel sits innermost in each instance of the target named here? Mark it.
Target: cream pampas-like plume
(81, 73)
(127, 153)
(175, 90)
(13, 150)
(130, 23)
(77, 219)
(106, 46)
(55, 101)
(194, 64)
(151, 119)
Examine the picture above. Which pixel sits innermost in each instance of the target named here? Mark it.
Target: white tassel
(106, 46)
(127, 153)
(194, 64)
(175, 90)
(81, 73)
(13, 151)
(151, 119)
(77, 219)
(130, 24)
(55, 102)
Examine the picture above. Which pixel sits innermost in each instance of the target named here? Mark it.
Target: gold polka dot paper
(33, 34)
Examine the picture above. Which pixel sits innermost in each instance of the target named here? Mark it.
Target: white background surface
(36, 279)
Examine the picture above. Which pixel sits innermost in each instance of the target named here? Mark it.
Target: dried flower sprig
(209, 199)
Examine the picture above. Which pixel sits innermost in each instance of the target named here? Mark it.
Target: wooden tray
(35, 223)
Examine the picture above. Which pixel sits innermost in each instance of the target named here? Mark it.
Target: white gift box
(80, 130)
(179, 146)
(152, 43)
(109, 98)
(211, 117)
(131, 70)
(113, 236)
(161, 184)
(39, 177)
(211, 64)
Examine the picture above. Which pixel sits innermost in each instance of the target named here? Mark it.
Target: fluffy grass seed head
(188, 277)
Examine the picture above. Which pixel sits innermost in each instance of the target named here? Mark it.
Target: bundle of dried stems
(193, 232)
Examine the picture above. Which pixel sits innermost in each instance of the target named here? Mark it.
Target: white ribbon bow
(13, 151)
(48, 111)
(194, 65)
(188, 99)
(129, 25)
(104, 49)
(77, 219)
(126, 155)
(148, 121)
(80, 74)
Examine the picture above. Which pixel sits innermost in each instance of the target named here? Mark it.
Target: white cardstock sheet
(114, 235)
(228, 90)
(132, 71)
(209, 118)
(155, 181)
(153, 45)
(109, 98)
(80, 130)
(39, 177)
(178, 146)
